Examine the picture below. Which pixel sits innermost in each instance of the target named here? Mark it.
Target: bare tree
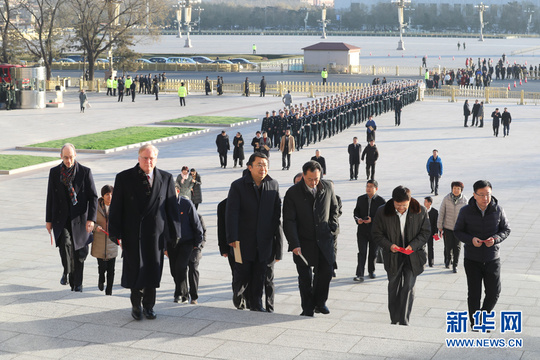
(8, 35)
(101, 25)
(46, 17)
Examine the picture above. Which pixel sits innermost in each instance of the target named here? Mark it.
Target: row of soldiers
(327, 116)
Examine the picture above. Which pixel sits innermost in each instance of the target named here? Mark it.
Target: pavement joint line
(241, 123)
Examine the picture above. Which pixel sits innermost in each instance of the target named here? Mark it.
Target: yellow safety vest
(109, 83)
(128, 83)
(115, 84)
(182, 91)
(324, 74)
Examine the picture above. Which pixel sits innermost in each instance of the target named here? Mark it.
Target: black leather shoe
(372, 275)
(100, 286)
(359, 279)
(322, 309)
(136, 312)
(260, 309)
(239, 302)
(176, 299)
(303, 313)
(149, 313)
(63, 279)
(78, 288)
(454, 270)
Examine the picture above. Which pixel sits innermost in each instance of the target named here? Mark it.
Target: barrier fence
(314, 89)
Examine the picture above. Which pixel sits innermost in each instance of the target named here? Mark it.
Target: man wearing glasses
(252, 221)
(482, 226)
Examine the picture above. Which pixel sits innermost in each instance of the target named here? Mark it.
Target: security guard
(115, 85)
(324, 75)
(109, 85)
(182, 92)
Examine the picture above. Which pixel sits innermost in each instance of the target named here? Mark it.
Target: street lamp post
(529, 20)
(323, 21)
(481, 8)
(401, 4)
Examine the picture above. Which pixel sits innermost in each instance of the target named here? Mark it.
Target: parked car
(220, 61)
(76, 58)
(181, 60)
(158, 59)
(66, 60)
(243, 61)
(102, 61)
(201, 59)
(143, 61)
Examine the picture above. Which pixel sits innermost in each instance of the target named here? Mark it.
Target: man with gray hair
(71, 213)
(144, 217)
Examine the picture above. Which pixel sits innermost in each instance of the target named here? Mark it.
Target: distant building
(346, 4)
(328, 3)
(337, 57)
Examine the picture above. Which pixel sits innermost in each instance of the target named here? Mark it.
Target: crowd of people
(477, 112)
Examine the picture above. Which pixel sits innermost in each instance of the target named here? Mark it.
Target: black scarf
(66, 178)
(144, 179)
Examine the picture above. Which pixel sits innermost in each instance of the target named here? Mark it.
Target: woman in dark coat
(196, 192)
(238, 153)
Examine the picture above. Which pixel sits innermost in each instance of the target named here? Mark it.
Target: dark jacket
(224, 247)
(238, 152)
(466, 109)
(433, 217)
(321, 161)
(471, 223)
(59, 208)
(434, 166)
(476, 108)
(252, 217)
(144, 223)
(311, 223)
(196, 254)
(371, 154)
(361, 212)
(386, 231)
(506, 118)
(222, 143)
(196, 195)
(354, 153)
(190, 225)
(496, 118)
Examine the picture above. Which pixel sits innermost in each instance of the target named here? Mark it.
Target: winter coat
(196, 196)
(371, 154)
(449, 211)
(434, 166)
(102, 246)
(238, 152)
(386, 231)
(471, 223)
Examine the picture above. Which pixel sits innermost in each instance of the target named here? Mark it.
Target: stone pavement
(39, 318)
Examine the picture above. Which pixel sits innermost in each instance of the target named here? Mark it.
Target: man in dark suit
(223, 146)
(355, 149)
(398, 106)
(252, 218)
(433, 217)
(143, 217)
(318, 158)
(70, 213)
(364, 212)
(310, 223)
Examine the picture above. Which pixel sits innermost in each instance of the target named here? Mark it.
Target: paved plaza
(39, 318)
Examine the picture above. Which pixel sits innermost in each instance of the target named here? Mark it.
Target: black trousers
(285, 160)
(223, 158)
(106, 269)
(353, 168)
(109, 91)
(401, 293)
(506, 130)
(466, 119)
(182, 101)
(193, 273)
(430, 249)
(370, 171)
(314, 285)
(474, 120)
(269, 288)
(364, 240)
(120, 96)
(496, 130)
(398, 118)
(133, 96)
(478, 272)
(178, 261)
(72, 260)
(146, 295)
(434, 181)
(248, 280)
(452, 248)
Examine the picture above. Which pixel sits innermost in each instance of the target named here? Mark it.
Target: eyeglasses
(483, 195)
(261, 166)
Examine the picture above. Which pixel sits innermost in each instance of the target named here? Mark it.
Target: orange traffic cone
(525, 80)
(520, 82)
(370, 54)
(439, 57)
(508, 86)
(388, 54)
(453, 58)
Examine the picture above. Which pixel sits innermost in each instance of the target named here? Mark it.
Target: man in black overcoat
(70, 213)
(143, 217)
(223, 146)
(252, 218)
(355, 149)
(310, 223)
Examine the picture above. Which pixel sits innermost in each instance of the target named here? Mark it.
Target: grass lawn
(208, 120)
(116, 138)
(10, 162)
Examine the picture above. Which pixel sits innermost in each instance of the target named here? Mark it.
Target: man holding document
(252, 218)
(402, 228)
(310, 223)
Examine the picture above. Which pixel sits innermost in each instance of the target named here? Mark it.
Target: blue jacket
(434, 166)
(471, 223)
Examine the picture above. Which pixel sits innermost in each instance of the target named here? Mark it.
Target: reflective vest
(426, 76)
(182, 91)
(109, 83)
(128, 83)
(324, 74)
(115, 84)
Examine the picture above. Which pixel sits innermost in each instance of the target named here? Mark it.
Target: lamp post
(529, 20)
(178, 18)
(481, 8)
(183, 16)
(401, 4)
(323, 21)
